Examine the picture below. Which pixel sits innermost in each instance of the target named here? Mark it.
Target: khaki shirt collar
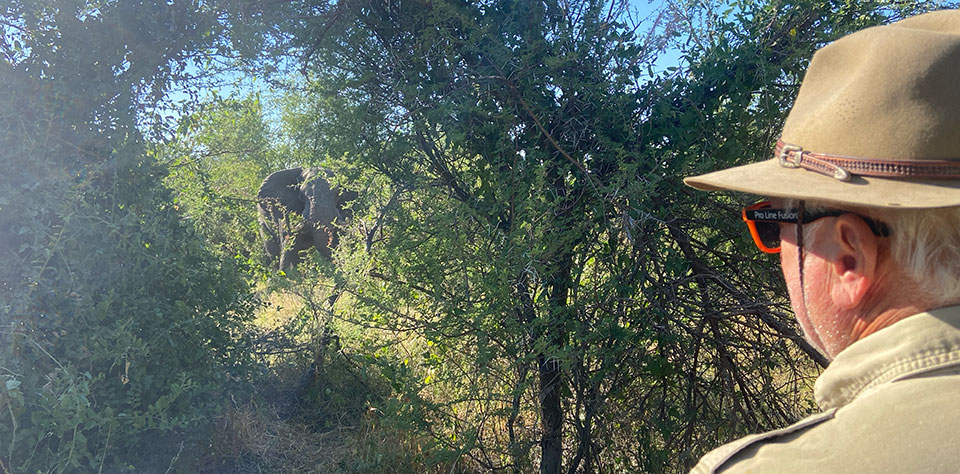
(917, 344)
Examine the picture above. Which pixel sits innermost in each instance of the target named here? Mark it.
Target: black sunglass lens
(769, 233)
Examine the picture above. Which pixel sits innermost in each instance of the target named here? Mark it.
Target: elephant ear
(321, 201)
(345, 197)
(281, 190)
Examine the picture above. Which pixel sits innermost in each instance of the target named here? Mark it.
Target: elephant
(298, 209)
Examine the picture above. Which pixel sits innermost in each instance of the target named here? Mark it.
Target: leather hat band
(844, 167)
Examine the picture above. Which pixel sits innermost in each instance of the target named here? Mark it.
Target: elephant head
(298, 210)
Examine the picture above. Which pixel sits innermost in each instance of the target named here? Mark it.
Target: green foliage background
(216, 163)
(525, 283)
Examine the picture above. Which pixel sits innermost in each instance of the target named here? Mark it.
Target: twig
(552, 141)
(13, 438)
(106, 446)
(174, 460)
(383, 213)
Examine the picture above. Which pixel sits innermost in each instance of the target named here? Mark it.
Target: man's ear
(853, 255)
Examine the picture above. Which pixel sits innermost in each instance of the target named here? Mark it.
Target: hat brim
(768, 178)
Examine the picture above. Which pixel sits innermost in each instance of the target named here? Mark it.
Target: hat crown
(888, 92)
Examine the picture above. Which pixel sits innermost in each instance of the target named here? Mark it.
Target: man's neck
(864, 327)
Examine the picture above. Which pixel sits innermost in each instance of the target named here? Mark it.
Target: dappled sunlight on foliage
(522, 283)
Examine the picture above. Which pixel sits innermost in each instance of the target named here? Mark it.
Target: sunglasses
(763, 220)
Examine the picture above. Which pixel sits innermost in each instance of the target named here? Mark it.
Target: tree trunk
(551, 415)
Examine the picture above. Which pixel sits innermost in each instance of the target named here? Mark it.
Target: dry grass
(253, 438)
(321, 431)
(281, 307)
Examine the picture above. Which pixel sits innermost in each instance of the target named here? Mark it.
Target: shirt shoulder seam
(724, 453)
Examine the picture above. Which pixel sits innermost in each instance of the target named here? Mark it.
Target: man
(865, 213)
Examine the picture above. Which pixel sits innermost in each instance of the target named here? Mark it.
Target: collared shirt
(891, 404)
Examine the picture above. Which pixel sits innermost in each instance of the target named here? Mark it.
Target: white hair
(925, 243)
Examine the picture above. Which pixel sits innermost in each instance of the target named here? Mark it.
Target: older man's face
(824, 326)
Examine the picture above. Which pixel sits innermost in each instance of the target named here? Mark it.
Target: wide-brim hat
(876, 123)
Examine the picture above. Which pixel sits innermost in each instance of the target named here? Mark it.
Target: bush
(116, 324)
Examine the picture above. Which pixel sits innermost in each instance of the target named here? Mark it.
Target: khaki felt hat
(876, 123)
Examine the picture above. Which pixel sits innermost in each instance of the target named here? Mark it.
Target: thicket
(525, 284)
(119, 329)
